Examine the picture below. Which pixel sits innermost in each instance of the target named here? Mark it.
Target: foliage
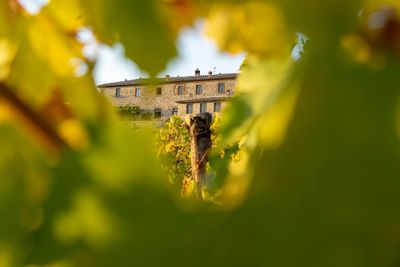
(315, 182)
(174, 148)
(173, 142)
(134, 113)
(129, 110)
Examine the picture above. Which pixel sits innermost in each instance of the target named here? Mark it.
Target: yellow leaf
(7, 54)
(274, 123)
(73, 132)
(69, 14)
(255, 27)
(58, 50)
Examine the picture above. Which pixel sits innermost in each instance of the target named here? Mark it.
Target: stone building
(174, 95)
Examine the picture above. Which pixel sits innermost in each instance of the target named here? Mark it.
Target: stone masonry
(174, 95)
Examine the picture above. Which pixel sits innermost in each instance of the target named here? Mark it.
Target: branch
(31, 121)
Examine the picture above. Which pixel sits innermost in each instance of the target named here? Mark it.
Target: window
(189, 108)
(137, 91)
(157, 113)
(217, 107)
(221, 88)
(158, 91)
(174, 111)
(180, 90)
(199, 89)
(117, 92)
(203, 107)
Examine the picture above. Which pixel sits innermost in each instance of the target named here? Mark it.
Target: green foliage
(130, 113)
(141, 29)
(129, 110)
(312, 181)
(133, 113)
(174, 149)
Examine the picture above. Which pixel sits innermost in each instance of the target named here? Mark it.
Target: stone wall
(149, 99)
(196, 107)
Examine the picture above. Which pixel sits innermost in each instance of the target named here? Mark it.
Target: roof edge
(158, 81)
(204, 99)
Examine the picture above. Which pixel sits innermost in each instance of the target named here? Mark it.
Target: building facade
(174, 95)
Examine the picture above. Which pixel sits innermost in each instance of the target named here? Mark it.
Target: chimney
(197, 72)
(167, 77)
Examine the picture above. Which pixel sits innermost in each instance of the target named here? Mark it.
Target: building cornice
(203, 99)
(168, 79)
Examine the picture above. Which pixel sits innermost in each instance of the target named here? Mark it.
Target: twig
(31, 120)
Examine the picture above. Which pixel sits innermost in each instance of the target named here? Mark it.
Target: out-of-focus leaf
(181, 13)
(111, 151)
(140, 27)
(82, 97)
(36, 76)
(236, 114)
(259, 86)
(374, 5)
(87, 220)
(24, 187)
(357, 48)
(7, 53)
(320, 152)
(70, 15)
(8, 17)
(272, 127)
(255, 27)
(312, 17)
(58, 50)
(39, 66)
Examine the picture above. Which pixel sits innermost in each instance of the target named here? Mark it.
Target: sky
(194, 51)
(33, 6)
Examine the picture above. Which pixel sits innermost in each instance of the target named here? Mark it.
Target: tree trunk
(200, 142)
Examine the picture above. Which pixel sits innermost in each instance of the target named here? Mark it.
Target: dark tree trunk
(200, 142)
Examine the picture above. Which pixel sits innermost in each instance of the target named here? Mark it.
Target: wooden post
(200, 143)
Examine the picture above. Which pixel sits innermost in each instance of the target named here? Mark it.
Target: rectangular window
(158, 91)
(189, 108)
(217, 107)
(180, 90)
(221, 88)
(117, 92)
(203, 107)
(137, 91)
(174, 111)
(199, 89)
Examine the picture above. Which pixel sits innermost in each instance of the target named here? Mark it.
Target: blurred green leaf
(310, 171)
(140, 26)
